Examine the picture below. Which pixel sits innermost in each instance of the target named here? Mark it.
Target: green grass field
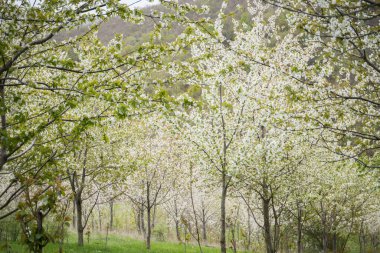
(125, 244)
(115, 244)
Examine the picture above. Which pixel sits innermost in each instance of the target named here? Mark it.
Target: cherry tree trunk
(154, 216)
(149, 228)
(324, 239)
(138, 221)
(148, 210)
(177, 231)
(80, 228)
(249, 230)
(3, 150)
(334, 243)
(100, 218)
(267, 226)
(299, 229)
(111, 215)
(362, 238)
(204, 228)
(223, 246)
(74, 217)
(39, 231)
(142, 222)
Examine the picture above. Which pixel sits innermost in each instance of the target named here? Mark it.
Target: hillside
(135, 34)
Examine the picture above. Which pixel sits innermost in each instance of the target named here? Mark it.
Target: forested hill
(134, 34)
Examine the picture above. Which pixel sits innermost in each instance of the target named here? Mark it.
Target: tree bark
(142, 223)
(149, 228)
(375, 241)
(3, 149)
(233, 240)
(178, 234)
(39, 231)
(154, 216)
(77, 189)
(299, 229)
(100, 218)
(194, 211)
(334, 243)
(80, 229)
(276, 228)
(266, 218)
(177, 231)
(267, 226)
(61, 237)
(324, 232)
(249, 230)
(204, 225)
(138, 220)
(111, 215)
(74, 217)
(362, 238)
(223, 246)
(148, 209)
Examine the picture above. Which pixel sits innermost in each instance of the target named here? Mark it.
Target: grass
(115, 244)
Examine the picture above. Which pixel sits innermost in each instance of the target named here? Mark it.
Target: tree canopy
(249, 124)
